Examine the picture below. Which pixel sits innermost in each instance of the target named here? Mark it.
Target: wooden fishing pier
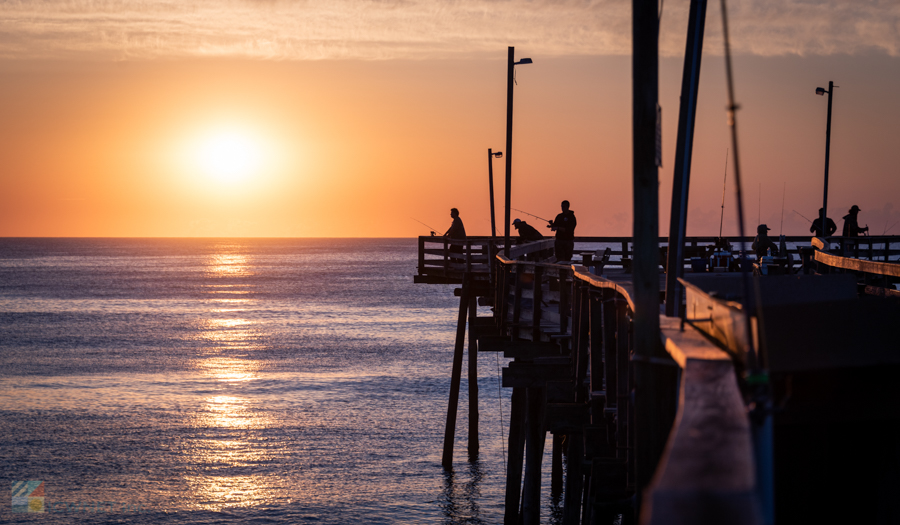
(693, 455)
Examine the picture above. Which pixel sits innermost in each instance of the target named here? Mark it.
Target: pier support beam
(574, 479)
(473, 380)
(516, 447)
(534, 454)
(453, 404)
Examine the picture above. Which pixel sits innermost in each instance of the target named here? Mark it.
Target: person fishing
(816, 228)
(564, 226)
(456, 231)
(851, 224)
(762, 244)
(527, 233)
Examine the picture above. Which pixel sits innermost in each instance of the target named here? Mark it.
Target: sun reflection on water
(228, 265)
(231, 439)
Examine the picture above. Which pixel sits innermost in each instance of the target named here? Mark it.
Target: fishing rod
(781, 229)
(423, 224)
(526, 213)
(724, 182)
(800, 214)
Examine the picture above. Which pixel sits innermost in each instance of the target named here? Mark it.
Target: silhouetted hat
(854, 208)
(517, 221)
(762, 228)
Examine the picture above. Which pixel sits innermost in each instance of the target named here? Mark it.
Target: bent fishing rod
(533, 215)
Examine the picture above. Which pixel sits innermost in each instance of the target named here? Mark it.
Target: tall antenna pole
(724, 182)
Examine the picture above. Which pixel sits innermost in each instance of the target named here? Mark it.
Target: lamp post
(510, 80)
(822, 91)
(491, 155)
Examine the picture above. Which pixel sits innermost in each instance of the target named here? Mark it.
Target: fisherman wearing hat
(527, 233)
(851, 226)
(763, 243)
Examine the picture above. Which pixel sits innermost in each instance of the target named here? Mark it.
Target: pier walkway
(568, 330)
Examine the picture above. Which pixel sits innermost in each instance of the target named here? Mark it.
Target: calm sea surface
(261, 381)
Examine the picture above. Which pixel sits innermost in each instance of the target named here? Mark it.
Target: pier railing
(441, 259)
(570, 335)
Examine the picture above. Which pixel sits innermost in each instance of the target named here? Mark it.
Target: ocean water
(260, 381)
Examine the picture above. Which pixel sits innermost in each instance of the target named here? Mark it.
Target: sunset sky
(352, 118)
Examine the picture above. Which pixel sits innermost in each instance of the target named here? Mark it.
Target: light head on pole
(820, 91)
(523, 61)
(498, 154)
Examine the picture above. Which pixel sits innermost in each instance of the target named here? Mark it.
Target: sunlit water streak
(284, 381)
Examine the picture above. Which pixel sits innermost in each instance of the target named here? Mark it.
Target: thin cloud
(420, 29)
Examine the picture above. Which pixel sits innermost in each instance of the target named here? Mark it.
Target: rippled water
(199, 381)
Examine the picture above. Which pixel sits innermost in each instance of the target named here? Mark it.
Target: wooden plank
(581, 273)
(688, 344)
(529, 375)
(531, 247)
(706, 475)
(878, 291)
(858, 265)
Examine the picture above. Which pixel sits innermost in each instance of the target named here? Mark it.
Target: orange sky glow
(358, 118)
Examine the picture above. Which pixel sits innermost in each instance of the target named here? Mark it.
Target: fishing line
(423, 224)
(760, 409)
(751, 298)
(724, 182)
(500, 407)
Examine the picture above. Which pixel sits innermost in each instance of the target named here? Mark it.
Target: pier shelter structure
(696, 456)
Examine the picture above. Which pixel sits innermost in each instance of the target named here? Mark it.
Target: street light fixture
(491, 156)
(821, 92)
(510, 80)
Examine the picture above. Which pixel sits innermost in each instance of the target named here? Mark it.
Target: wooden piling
(516, 454)
(534, 454)
(556, 470)
(574, 479)
(473, 379)
(455, 378)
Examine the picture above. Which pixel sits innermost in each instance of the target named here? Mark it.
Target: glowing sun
(229, 156)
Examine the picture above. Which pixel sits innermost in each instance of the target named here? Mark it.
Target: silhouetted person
(816, 228)
(456, 231)
(564, 226)
(763, 243)
(527, 233)
(851, 225)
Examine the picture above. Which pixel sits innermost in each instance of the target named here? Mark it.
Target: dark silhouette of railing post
(650, 393)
